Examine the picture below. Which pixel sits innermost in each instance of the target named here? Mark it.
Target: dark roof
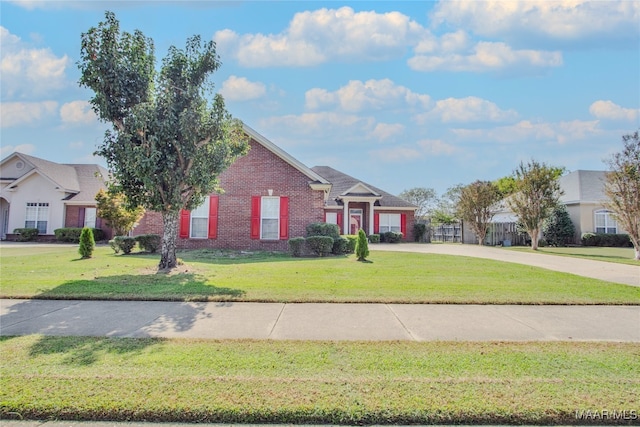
(341, 182)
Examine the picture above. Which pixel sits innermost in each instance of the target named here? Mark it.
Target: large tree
(622, 188)
(476, 206)
(535, 195)
(423, 198)
(169, 141)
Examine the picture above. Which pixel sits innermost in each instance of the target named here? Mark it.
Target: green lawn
(57, 272)
(354, 383)
(619, 255)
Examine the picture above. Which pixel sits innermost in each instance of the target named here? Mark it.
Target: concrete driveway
(609, 271)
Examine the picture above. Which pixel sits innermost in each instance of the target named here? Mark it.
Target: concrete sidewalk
(380, 322)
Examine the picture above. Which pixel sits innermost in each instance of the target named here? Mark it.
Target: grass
(208, 275)
(618, 255)
(79, 378)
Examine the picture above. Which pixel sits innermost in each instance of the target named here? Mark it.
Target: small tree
(476, 206)
(113, 208)
(362, 246)
(423, 198)
(445, 210)
(87, 244)
(536, 194)
(622, 188)
(558, 229)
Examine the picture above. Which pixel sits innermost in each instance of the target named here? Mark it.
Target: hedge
(296, 246)
(609, 240)
(391, 237)
(320, 245)
(26, 234)
(123, 243)
(72, 234)
(149, 242)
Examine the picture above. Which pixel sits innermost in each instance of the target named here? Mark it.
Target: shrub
(26, 234)
(419, 231)
(72, 234)
(87, 243)
(353, 240)
(125, 243)
(362, 247)
(340, 246)
(558, 229)
(374, 238)
(608, 240)
(391, 237)
(320, 245)
(296, 246)
(149, 242)
(323, 229)
(114, 246)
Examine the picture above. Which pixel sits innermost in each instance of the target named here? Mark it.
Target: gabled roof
(344, 185)
(314, 177)
(583, 186)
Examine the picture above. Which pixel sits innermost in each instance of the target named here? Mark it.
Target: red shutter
(284, 218)
(340, 221)
(185, 219)
(403, 225)
(376, 223)
(255, 217)
(81, 217)
(213, 217)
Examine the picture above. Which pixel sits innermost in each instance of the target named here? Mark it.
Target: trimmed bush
(374, 238)
(353, 240)
(149, 242)
(125, 243)
(323, 229)
(26, 234)
(608, 240)
(296, 246)
(72, 234)
(113, 245)
(320, 245)
(419, 231)
(362, 247)
(87, 244)
(391, 237)
(340, 246)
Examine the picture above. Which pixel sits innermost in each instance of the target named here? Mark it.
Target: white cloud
(420, 150)
(359, 96)
(27, 71)
(317, 124)
(466, 110)
(5, 150)
(77, 112)
(25, 113)
(385, 131)
(436, 147)
(240, 89)
(483, 57)
(608, 110)
(541, 21)
(315, 37)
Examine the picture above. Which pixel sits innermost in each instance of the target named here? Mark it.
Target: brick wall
(410, 221)
(253, 175)
(73, 219)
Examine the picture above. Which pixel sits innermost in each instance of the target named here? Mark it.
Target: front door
(355, 220)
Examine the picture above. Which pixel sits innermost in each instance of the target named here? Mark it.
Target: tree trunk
(637, 250)
(168, 258)
(534, 238)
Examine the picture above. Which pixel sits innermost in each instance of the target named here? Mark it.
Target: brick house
(37, 193)
(270, 197)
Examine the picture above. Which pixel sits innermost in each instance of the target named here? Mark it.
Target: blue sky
(397, 94)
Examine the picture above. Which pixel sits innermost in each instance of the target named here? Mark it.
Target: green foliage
(113, 245)
(323, 229)
(477, 205)
(320, 245)
(149, 242)
(114, 208)
(362, 246)
(26, 234)
(296, 246)
(168, 143)
(391, 237)
(606, 240)
(423, 198)
(72, 234)
(353, 241)
(340, 246)
(505, 185)
(87, 244)
(445, 211)
(125, 243)
(558, 229)
(374, 238)
(419, 231)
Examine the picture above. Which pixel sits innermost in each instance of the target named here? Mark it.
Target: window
(331, 218)
(390, 222)
(270, 218)
(36, 216)
(90, 217)
(605, 223)
(200, 220)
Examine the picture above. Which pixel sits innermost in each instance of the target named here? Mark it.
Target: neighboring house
(270, 197)
(37, 193)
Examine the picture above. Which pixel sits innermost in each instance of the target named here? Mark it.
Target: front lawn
(79, 378)
(58, 272)
(619, 255)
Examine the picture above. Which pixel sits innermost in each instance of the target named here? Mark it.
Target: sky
(398, 94)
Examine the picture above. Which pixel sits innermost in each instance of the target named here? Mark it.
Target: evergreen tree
(362, 246)
(87, 243)
(558, 229)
